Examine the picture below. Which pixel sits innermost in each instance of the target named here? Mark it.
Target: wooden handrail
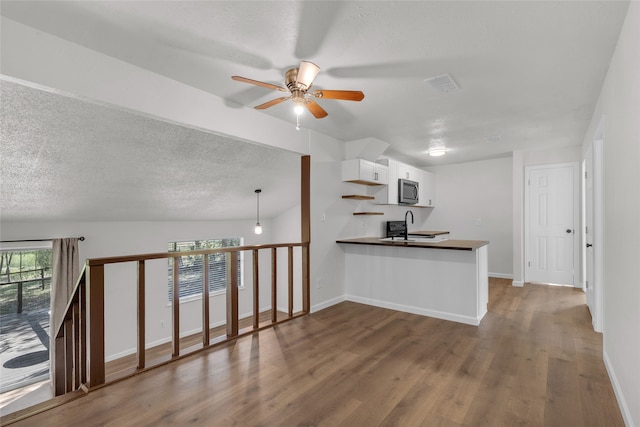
(80, 341)
(160, 255)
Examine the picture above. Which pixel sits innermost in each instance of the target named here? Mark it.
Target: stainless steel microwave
(407, 192)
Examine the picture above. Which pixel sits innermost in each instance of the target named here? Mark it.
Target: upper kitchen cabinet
(426, 181)
(427, 197)
(362, 171)
(409, 172)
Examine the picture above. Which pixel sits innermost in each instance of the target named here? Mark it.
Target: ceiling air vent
(443, 83)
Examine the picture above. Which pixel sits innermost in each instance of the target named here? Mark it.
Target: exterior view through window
(190, 267)
(25, 298)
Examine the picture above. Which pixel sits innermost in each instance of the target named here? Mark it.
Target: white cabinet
(408, 172)
(389, 194)
(364, 172)
(427, 195)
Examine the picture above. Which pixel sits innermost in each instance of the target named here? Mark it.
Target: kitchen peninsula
(443, 279)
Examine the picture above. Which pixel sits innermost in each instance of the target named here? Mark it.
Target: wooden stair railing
(80, 341)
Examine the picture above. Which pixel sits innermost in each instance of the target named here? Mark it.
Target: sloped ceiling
(69, 159)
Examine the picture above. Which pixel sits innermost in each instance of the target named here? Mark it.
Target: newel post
(95, 325)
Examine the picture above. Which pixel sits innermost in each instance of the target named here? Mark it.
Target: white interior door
(552, 209)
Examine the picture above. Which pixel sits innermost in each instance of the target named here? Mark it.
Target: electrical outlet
(324, 216)
(162, 324)
(318, 283)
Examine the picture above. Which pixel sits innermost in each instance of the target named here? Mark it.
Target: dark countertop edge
(459, 245)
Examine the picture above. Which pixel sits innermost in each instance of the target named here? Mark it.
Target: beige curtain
(65, 263)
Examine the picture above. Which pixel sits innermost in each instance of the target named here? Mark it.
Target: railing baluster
(290, 293)
(76, 344)
(206, 333)
(176, 307)
(141, 314)
(274, 285)
(306, 295)
(59, 374)
(68, 353)
(232, 294)
(256, 291)
(95, 325)
(82, 292)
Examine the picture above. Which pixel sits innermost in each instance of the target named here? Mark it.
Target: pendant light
(258, 229)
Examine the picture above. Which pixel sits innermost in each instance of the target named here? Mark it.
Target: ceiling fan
(298, 81)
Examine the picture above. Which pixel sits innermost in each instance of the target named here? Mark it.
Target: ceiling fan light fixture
(306, 73)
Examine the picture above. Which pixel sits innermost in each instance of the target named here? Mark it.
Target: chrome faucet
(406, 228)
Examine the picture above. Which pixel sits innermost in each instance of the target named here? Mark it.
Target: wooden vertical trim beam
(141, 314)
(274, 285)
(256, 291)
(232, 294)
(95, 325)
(76, 343)
(175, 305)
(305, 221)
(206, 333)
(290, 281)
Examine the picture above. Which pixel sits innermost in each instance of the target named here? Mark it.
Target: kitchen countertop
(461, 245)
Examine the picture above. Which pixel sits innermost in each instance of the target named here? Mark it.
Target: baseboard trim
(501, 275)
(517, 283)
(468, 320)
(624, 408)
(328, 303)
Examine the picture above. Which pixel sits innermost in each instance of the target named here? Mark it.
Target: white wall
(619, 105)
(522, 159)
(474, 201)
(126, 238)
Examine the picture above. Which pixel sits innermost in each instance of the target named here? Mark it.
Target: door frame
(597, 148)
(576, 217)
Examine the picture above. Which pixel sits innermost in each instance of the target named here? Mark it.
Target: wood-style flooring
(534, 361)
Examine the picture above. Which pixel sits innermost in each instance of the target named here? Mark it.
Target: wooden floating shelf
(358, 197)
(368, 213)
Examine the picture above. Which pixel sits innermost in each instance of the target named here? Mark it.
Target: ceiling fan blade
(272, 103)
(346, 95)
(306, 73)
(258, 83)
(315, 109)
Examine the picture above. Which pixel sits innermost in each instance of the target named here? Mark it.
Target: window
(25, 280)
(190, 267)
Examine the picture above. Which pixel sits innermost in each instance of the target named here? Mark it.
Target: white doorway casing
(593, 236)
(551, 221)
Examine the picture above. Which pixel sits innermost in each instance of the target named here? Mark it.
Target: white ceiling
(529, 72)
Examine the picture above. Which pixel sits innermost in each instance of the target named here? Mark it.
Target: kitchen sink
(396, 239)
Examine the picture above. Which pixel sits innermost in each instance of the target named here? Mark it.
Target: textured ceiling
(64, 158)
(529, 72)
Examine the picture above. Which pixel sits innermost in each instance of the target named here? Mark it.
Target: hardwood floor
(534, 360)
